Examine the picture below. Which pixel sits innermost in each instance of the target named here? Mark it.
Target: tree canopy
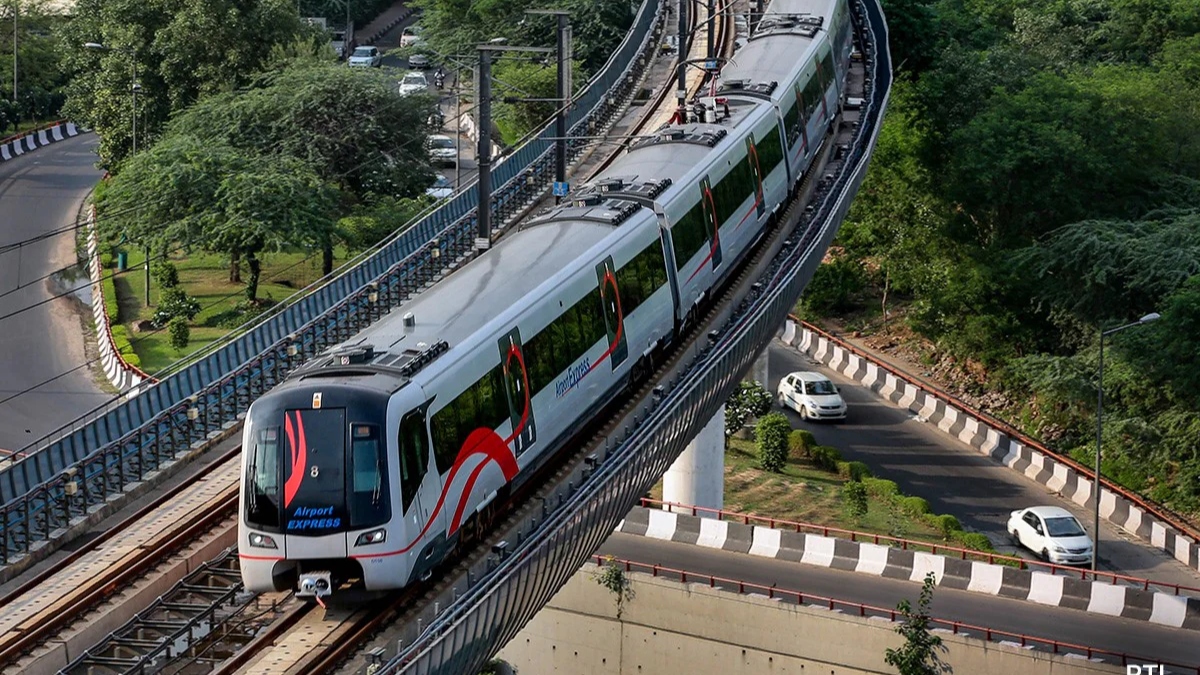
(181, 51)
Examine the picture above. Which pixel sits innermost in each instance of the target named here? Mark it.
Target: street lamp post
(16, 10)
(1153, 316)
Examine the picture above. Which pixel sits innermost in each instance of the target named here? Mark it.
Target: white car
(366, 57)
(413, 83)
(1052, 533)
(811, 395)
(411, 36)
(441, 150)
(441, 188)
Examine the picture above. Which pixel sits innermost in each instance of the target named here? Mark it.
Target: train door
(614, 319)
(516, 389)
(314, 490)
(414, 465)
(710, 220)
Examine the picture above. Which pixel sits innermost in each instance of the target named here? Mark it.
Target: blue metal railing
(65, 475)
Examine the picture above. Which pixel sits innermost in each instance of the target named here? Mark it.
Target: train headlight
(372, 537)
(261, 540)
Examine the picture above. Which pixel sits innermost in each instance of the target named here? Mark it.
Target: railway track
(63, 610)
(34, 637)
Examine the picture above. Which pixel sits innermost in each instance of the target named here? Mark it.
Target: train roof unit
(789, 26)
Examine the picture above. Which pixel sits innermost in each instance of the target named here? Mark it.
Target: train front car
(319, 486)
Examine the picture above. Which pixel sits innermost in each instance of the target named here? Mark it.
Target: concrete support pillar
(697, 477)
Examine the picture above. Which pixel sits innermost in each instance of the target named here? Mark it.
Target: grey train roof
(758, 60)
(468, 299)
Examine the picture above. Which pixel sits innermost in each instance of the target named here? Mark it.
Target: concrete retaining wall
(669, 628)
(13, 148)
(123, 376)
(946, 416)
(1101, 597)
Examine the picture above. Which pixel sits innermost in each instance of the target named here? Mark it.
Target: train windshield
(368, 466)
(262, 477)
(314, 487)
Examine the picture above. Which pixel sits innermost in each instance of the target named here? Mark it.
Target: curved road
(952, 476)
(1137, 638)
(41, 192)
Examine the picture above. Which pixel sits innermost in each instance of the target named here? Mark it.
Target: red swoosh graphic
(716, 238)
(608, 278)
(479, 442)
(299, 458)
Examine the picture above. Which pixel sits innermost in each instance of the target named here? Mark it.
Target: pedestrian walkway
(382, 24)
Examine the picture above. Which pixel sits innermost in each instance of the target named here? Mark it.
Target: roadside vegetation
(785, 473)
(1037, 179)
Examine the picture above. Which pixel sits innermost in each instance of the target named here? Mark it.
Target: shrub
(166, 275)
(825, 457)
(976, 541)
(111, 308)
(175, 302)
(180, 333)
(772, 437)
(880, 487)
(843, 470)
(855, 497)
(859, 471)
(914, 505)
(750, 400)
(946, 524)
(800, 442)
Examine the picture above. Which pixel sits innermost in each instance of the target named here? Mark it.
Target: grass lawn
(205, 277)
(806, 494)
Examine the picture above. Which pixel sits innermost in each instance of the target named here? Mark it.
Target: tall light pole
(483, 236)
(16, 10)
(134, 88)
(1153, 316)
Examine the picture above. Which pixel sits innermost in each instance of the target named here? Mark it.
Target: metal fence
(493, 611)
(83, 464)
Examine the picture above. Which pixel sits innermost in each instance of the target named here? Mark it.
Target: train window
(567, 338)
(262, 492)
(793, 119)
(482, 406)
(368, 477)
(826, 70)
(688, 235)
(639, 278)
(770, 151)
(414, 456)
(733, 190)
(812, 95)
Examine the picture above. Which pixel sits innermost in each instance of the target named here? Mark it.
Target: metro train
(369, 464)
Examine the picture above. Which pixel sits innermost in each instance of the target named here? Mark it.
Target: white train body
(368, 463)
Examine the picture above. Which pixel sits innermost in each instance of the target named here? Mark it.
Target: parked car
(366, 57)
(441, 188)
(1052, 533)
(411, 36)
(420, 61)
(441, 150)
(413, 83)
(811, 395)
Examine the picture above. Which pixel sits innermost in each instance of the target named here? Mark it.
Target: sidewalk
(386, 21)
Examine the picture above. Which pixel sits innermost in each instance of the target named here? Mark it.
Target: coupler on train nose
(315, 585)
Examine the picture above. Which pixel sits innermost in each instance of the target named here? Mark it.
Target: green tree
(750, 400)
(771, 435)
(919, 655)
(183, 50)
(217, 197)
(39, 71)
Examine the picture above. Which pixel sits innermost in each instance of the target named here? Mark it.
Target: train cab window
(414, 456)
(368, 477)
(812, 95)
(262, 477)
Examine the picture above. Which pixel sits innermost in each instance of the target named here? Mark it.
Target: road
(1140, 638)
(41, 192)
(953, 477)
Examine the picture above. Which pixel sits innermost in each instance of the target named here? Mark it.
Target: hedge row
(120, 335)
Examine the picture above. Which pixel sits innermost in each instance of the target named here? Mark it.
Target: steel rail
(44, 624)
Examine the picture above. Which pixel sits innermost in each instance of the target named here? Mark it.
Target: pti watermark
(1145, 669)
